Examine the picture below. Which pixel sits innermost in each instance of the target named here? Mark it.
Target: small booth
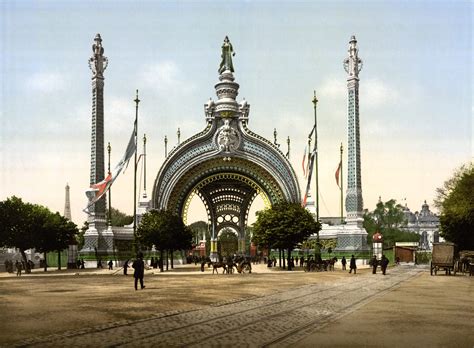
(377, 245)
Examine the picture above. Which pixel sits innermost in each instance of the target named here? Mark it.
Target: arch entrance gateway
(226, 165)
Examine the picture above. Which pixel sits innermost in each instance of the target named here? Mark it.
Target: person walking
(125, 267)
(139, 267)
(19, 267)
(343, 262)
(373, 263)
(384, 264)
(111, 265)
(352, 265)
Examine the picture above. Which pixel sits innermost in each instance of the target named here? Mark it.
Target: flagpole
(342, 205)
(144, 163)
(315, 102)
(109, 148)
(135, 170)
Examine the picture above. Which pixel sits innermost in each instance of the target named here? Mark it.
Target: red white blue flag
(97, 190)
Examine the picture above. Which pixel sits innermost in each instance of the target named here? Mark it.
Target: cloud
(46, 82)
(375, 94)
(333, 89)
(119, 115)
(165, 76)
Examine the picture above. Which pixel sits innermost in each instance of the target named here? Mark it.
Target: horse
(216, 265)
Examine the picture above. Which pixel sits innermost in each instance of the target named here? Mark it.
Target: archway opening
(227, 242)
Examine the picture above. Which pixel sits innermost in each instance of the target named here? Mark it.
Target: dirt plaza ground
(405, 308)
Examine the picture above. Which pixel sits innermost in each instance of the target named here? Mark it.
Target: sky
(416, 109)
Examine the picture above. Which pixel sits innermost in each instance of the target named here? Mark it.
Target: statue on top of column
(353, 64)
(227, 53)
(98, 63)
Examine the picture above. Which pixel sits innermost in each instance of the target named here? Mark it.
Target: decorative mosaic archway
(226, 165)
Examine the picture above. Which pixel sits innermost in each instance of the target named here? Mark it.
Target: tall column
(97, 220)
(67, 204)
(354, 201)
(72, 248)
(352, 237)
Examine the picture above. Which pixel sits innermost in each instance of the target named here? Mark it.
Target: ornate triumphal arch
(226, 165)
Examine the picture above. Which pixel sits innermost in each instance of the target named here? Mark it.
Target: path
(279, 319)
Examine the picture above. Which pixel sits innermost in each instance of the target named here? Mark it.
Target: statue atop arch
(227, 54)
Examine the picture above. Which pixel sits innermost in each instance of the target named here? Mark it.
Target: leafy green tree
(200, 229)
(165, 231)
(26, 226)
(80, 236)
(283, 226)
(228, 242)
(56, 234)
(455, 201)
(388, 218)
(119, 218)
(20, 223)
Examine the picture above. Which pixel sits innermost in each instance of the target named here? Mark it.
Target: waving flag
(304, 160)
(337, 173)
(310, 172)
(97, 190)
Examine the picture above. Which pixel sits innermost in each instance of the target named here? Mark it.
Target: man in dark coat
(125, 267)
(374, 264)
(139, 267)
(343, 262)
(383, 264)
(352, 265)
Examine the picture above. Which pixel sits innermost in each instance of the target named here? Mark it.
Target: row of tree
(284, 226)
(455, 201)
(27, 226)
(165, 231)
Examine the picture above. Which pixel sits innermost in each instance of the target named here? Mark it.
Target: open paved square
(185, 307)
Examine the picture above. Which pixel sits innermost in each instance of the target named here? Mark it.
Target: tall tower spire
(97, 239)
(354, 201)
(352, 236)
(67, 204)
(97, 63)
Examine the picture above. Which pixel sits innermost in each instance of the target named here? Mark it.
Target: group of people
(19, 266)
(383, 262)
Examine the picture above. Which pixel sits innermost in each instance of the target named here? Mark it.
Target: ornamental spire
(98, 62)
(353, 64)
(226, 107)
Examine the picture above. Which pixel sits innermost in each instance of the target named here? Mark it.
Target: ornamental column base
(242, 247)
(214, 256)
(351, 238)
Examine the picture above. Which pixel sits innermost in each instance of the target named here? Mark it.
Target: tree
(388, 218)
(26, 226)
(200, 230)
(164, 230)
(119, 218)
(56, 235)
(283, 226)
(20, 223)
(228, 242)
(455, 201)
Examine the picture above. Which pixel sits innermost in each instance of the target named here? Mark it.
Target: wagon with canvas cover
(443, 257)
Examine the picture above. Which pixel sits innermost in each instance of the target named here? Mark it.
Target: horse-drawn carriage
(320, 265)
(241, 264)
(443, 257)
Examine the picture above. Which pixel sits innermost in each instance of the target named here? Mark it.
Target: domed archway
(226, 166)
